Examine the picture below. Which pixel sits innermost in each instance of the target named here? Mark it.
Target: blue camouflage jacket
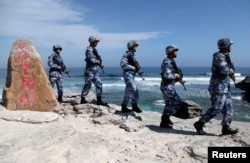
(125, 65)
(220, 78)
(91, 59)
(167, 71)
(52, 64)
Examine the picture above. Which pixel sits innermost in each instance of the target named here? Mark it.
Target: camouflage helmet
(224, 42)
(132, 43)
(56, 46)
(93, 39)
(171, 48)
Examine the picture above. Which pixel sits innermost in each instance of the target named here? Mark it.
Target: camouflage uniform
(91, 73)
(131, 90)
(171, 98)
(219, 89)
(55, 74)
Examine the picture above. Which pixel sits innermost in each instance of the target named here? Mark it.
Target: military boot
(100, 102)
(165, 122)
(227, 130)
(125, 109)
(83, 100)
(135, 108)
(199, 127)
(169, 121)
(59, 99)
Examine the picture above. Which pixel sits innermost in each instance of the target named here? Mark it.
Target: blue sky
(193, 25)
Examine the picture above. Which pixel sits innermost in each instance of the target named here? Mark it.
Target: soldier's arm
(91, 57)
(232, 74)
(125, 65)
(51, 63)
(223, 66)
(167, 71)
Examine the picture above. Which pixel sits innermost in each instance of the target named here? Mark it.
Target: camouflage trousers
(171, 98)
(131, 90)
(90, 78)
(56, 77)
(220, 103)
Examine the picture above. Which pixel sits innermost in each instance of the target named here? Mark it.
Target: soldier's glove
(232, 74)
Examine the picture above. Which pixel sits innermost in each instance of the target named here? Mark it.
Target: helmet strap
(225, 50)
(170, 55)
(57, 51)
(93, 44)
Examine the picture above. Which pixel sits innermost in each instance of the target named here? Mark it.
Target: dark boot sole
(137, 110)
(103, 104)
(126, 111)
(162, 125)
(230, 132)
(199, 129)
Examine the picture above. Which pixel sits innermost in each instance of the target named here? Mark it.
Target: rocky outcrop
(244, 85)
(189, 109)
(27, 85)
(104, 134)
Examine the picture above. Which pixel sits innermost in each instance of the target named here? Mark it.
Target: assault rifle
(98, 57)
(134, 63)
(61, 64)
(231, 65)
(178, 71)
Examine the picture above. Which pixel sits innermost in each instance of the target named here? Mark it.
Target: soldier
(56, 65)
(91, 74)
(170, 74)
(130, 67)
(219, 89)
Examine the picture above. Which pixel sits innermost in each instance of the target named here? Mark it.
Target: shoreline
(102, 134)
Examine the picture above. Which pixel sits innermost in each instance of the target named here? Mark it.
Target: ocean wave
(189, 80)
(114, 85)
(159, 103)
(236, 74)
(148, 81)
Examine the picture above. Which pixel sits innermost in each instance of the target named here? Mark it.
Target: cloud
(55, 21)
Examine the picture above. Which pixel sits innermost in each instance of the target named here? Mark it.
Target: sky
(194, 26)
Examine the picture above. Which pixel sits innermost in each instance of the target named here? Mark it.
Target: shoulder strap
(174, 65)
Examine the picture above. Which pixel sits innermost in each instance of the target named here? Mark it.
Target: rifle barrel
(67, 73)
(142, 77)
(184, 87)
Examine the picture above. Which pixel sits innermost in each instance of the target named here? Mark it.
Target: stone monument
(27, 85)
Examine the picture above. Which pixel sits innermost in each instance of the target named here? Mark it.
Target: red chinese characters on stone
(24, 55)
(26, 68)
(28, 83)
(28, 97)
(20, 46)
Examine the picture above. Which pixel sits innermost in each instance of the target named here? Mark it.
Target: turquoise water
(197, 79)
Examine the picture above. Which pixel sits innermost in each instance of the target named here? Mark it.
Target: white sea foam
(237, 97)
(236, 74)
(113, 84)
(189, 80)
(159, 103)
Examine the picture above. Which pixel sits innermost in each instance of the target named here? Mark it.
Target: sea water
(197, 80)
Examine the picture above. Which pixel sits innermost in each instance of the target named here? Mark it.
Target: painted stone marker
(27, 85)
